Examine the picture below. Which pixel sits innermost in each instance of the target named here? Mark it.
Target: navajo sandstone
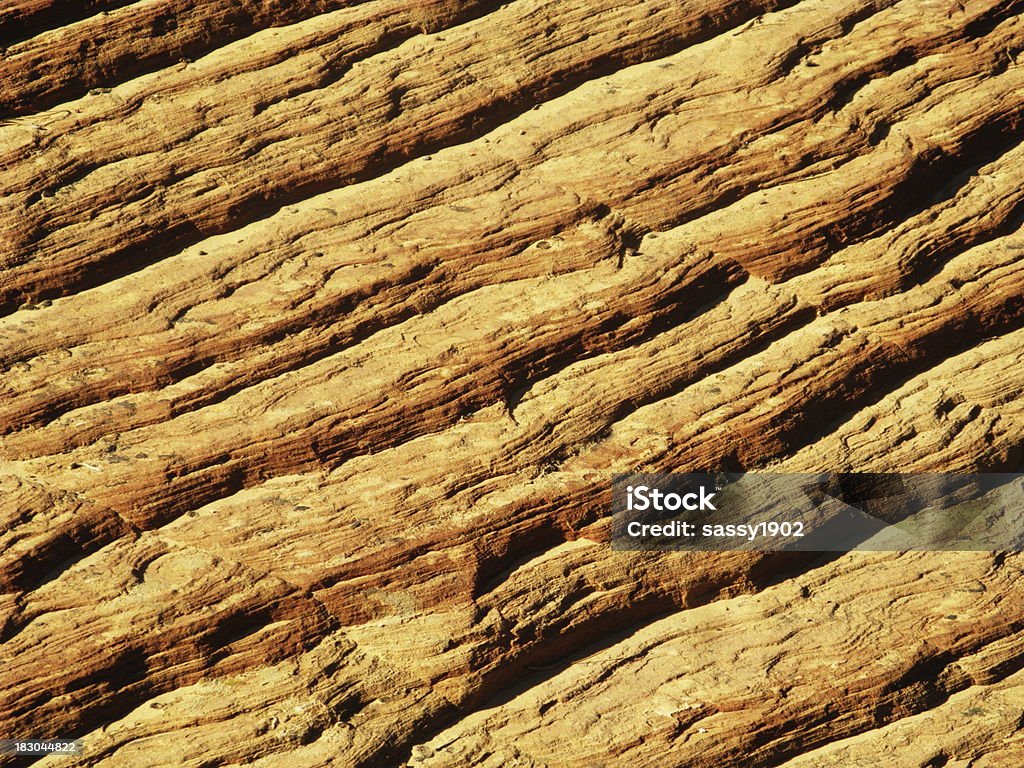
(324, 325)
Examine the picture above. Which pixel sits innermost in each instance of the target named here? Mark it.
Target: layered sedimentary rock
(325, 326)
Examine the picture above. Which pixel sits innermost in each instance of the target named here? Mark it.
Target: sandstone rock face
(324, 326)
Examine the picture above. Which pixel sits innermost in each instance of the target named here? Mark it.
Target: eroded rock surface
(324, 325)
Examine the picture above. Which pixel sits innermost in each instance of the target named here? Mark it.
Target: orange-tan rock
(325, 325)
